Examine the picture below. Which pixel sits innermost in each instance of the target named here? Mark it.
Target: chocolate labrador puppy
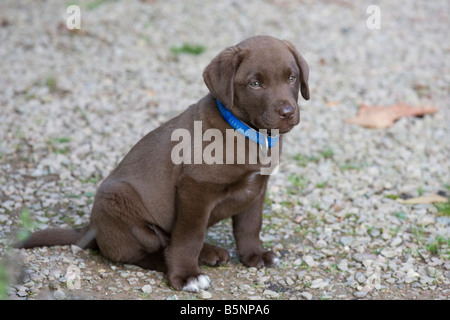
(154, 209)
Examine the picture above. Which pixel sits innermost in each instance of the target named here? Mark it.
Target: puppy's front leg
(193, 210)
(246, 228)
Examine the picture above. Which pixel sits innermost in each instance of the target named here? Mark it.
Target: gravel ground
(74, 103)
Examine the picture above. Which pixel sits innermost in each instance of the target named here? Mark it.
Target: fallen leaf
(379, 117)
(424, 199)
(331, 104)
(337, 208)
(298, 219)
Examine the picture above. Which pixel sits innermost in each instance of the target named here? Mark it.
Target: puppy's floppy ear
(219, 75)
(304, 70)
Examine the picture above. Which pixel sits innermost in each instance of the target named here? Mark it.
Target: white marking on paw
(200, 283)
(191, 286)
(203, 281)
(275, 261)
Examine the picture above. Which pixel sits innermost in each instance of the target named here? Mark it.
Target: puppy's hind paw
(195, 284)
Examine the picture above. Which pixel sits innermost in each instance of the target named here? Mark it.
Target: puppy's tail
(82, 237)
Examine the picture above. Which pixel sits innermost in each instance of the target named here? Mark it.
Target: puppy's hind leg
(123, 232)
(151, 237)
(153, 261)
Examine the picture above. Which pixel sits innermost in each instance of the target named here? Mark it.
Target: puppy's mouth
(273, 130)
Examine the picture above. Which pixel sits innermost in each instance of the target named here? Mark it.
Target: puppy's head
(259, 80)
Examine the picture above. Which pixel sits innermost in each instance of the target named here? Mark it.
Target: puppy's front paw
(259, 260)
(192, 283)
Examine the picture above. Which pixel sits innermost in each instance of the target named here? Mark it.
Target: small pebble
(360, 277)
(309, 260)
(306, 295)
(270, 293)
(147, 289)
(59, 294)
(360, 294)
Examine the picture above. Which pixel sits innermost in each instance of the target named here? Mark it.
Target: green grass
(82, 113)
(95, 4)
(87, 194)
(333, 268)
(90, 5)
(58, 145)
(432, 248)
(392, 196)
(92, 179)
(4, 281)
(350, 166)
(322, 185)
(297, 182)
(419, 234)
(303, 160)
(438, 244)
(267, 201)
(420, 191)
(51, 83)
(187, 48)
(399, 214)
(327, 153)
(27, 225)
(145, 295)
(61, 140)
(443, 208)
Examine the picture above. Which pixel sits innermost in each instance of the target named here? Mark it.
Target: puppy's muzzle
(286, 112)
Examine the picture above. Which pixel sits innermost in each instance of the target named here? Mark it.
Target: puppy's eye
(292, 79)
(255, 84)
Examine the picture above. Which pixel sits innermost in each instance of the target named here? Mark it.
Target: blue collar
(244, 129)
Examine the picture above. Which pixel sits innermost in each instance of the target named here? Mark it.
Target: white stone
(309, 260)
(306, 295)
(147, 289)
(205, 294)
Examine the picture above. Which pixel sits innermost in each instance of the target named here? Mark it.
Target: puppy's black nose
(286, 112)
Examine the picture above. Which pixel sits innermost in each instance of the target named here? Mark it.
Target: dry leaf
(331, 104)
(424, 199)
(298, 219)
(383, 117)
(337, 208)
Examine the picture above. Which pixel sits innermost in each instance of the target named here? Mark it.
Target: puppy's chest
(238, 197)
